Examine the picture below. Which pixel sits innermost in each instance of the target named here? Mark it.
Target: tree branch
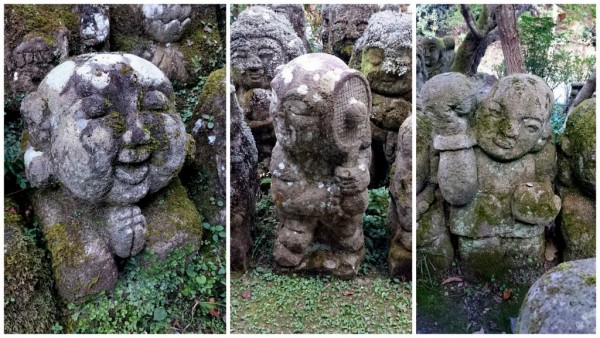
(586, 92)
(466, 13)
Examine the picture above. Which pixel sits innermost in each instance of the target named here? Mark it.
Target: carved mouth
(131, 174)
(134, 155)
(504, 143)
(255, 75)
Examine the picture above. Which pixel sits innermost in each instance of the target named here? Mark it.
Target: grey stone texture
(103, 136)
(496, 168)
(383, 54)
(577, 182)
(244, 186)
(562, 301)
(261, 41)
(166, 23)
(438, 54)
(320, 164)
(400, 208)
(342, 26)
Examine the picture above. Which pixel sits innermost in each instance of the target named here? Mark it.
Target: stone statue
(439, 54)
(243, 187)
(342, 26)
(166, 23)
(295, 14)
(104, 146)
(577, 182)
(384, 55)
(320, 164)
(400, 208)
(495, 175)
(261, 40)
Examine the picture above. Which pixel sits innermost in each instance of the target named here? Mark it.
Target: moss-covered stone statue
(320, 164)
(577, 182)
(384, 55)
(400, 208)
(342, 26)
(104, 145)
(261, 41)
(439, 54)
(495, 174)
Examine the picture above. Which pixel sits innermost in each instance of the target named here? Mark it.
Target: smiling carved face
(513, 119)
(115, 135)
(254, 62)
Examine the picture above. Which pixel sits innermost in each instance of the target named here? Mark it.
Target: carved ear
(38, 164)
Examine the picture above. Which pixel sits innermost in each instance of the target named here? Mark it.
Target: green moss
(29, 305)
(64, 250)
(202, 50)
(41, 20)
(117, 122)
(590, 280)
(581, 127)
(169, 212)
(126, 70)
(214, 85)
(130, 43)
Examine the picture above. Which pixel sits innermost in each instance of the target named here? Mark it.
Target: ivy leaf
(201, 279)
(190, 271)
(210, 125)
(160, 314)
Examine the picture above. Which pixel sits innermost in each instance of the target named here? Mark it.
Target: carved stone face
(254, 62)
(114, 133)
(383, 82)
(432, 49)
(513, 119)
(346, 29)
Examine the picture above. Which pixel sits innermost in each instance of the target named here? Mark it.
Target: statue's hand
(127, 230)
(535, 203)
(352, 180)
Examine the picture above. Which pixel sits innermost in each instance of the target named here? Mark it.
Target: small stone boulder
(563, 301)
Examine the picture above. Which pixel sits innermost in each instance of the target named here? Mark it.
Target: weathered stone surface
(384, 55)
(577, 187)
(438, 54)
(295, 14)
(434, 249)
(204, 176)
(94, 27)
(342, 26)
(261, 41)
(243, 187)
(102, 135)
(29, 305)
(497, 184)
(320, 164)
(562, 301)
(400, 208)
(170, 61)
(166, 23)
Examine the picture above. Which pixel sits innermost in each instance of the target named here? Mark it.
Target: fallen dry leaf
(506, 294)
(347, 293)
(211, 300)
(451, 279)
(246, 294)
(214, 313)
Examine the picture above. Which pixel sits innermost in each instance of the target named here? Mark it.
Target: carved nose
(135, 134)
(254, 63)
(512, 129)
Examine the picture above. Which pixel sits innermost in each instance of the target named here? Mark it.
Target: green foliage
(545, 53)
(557, 118)
(265, 227)
(187, 99)
(14, 167)
(265, 302)
(177, 295)
(376, 231)
(438, 20)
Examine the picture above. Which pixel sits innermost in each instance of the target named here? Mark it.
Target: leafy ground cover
(263, 301)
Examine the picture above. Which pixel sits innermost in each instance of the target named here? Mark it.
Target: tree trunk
(480, 35)
(509, 37)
